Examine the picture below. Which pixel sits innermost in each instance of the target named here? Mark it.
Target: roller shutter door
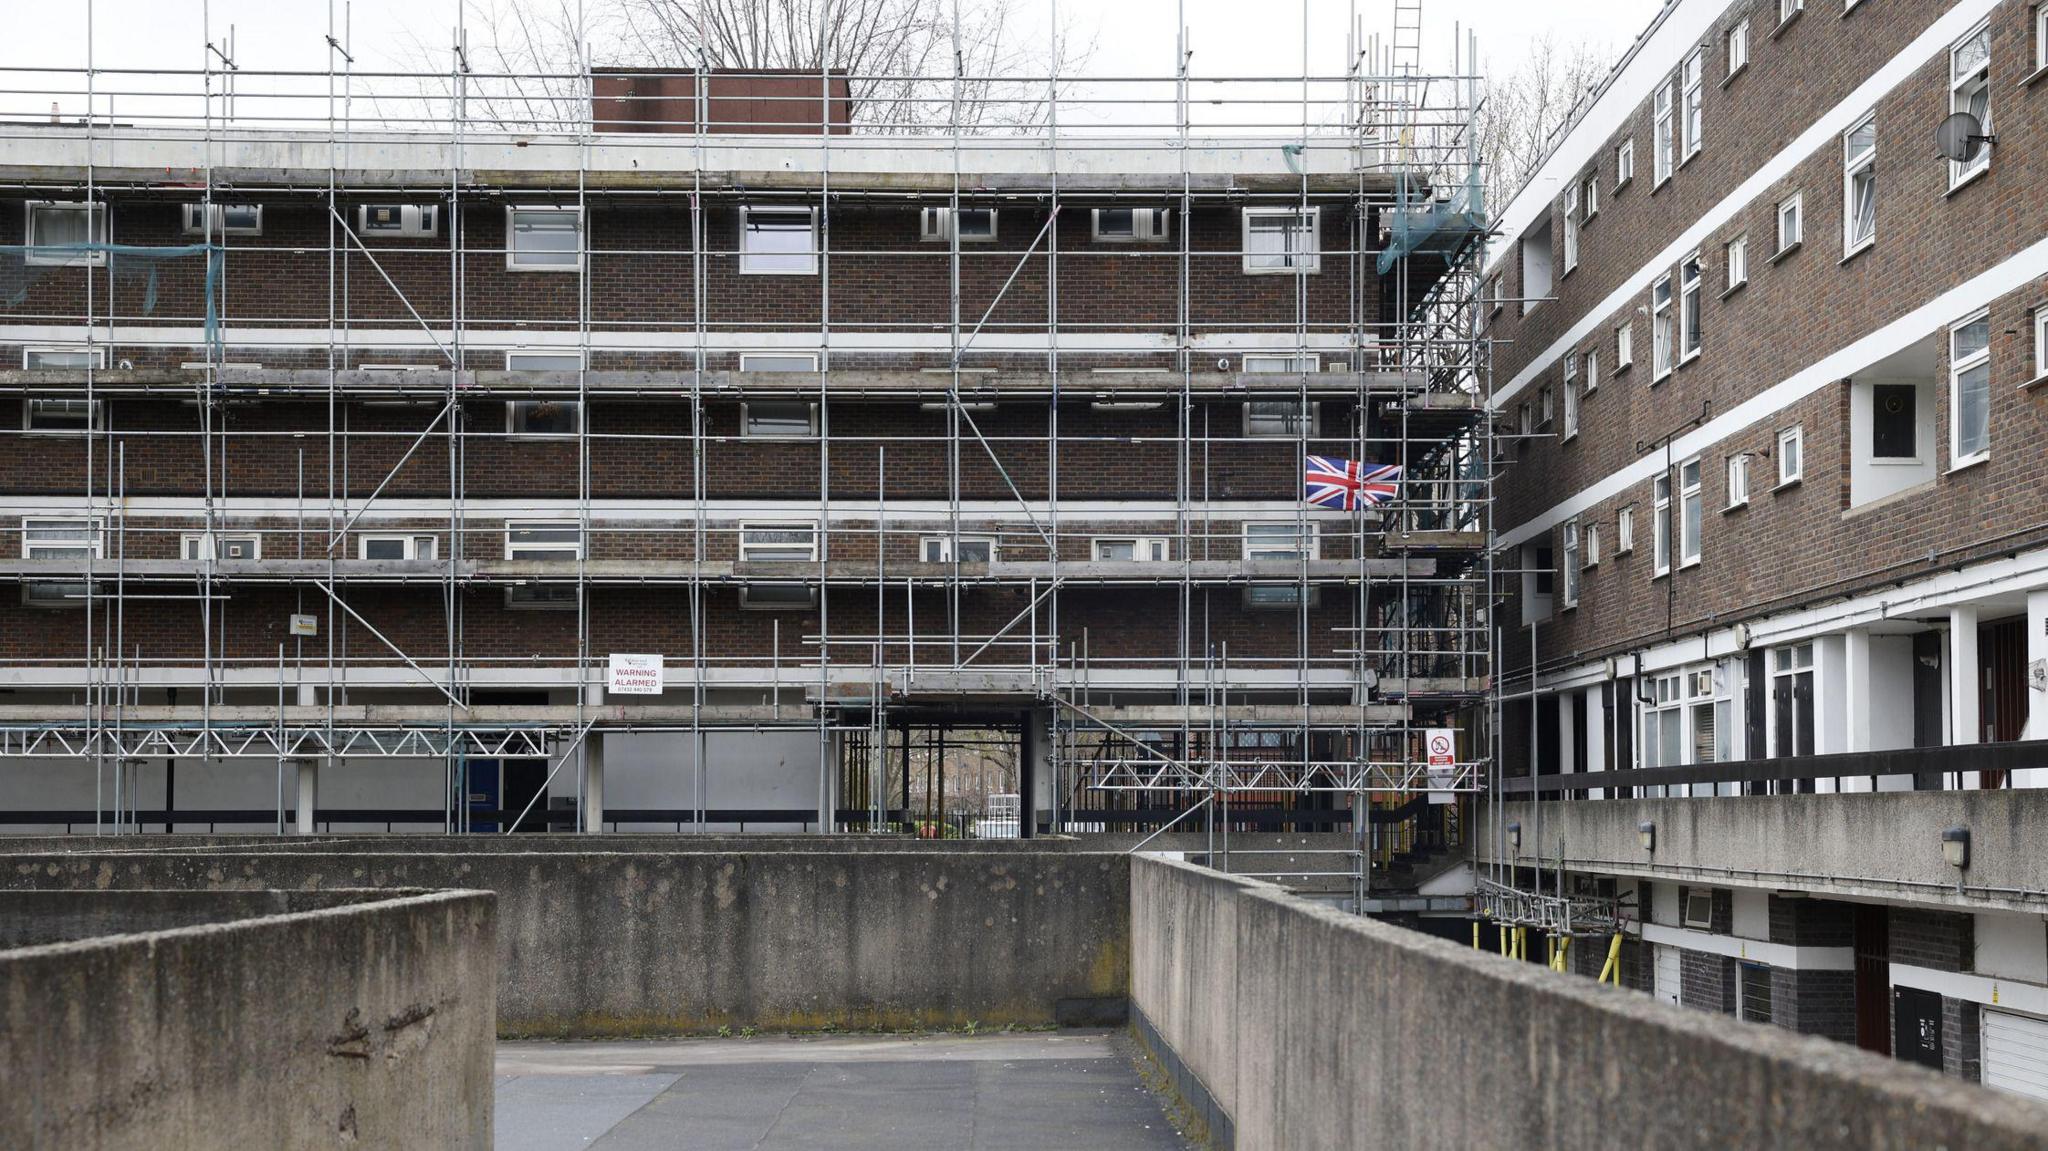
(1666, 973)
(2016, 1053)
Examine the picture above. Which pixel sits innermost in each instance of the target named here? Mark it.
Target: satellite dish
(1960, 137)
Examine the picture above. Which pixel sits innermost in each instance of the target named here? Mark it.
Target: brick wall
(1812, 923)
(1942, 940)
(1815, 1002)
(1706, 981)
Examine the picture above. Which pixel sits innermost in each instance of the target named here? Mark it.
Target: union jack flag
(1349, 484)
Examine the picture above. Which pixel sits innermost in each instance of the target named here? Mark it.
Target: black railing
(1930, 767)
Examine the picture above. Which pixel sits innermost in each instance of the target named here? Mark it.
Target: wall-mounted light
(1515, 837)
(1955, 846)
(1646, 834)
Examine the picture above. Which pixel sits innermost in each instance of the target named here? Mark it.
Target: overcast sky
(1131, 37)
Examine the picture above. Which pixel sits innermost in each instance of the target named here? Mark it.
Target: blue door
(480, 785)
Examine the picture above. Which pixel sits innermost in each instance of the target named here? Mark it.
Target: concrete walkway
(1064, 1089)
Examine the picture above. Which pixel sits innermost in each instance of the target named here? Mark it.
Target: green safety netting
(175, 283)
(1423, 225)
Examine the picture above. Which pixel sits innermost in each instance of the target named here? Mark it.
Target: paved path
(1065, 1089)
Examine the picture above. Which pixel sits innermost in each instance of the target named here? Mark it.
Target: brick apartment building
(875, 440)
(1774, 373)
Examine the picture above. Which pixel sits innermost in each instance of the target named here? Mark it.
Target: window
(1689, 508)
(1661, 347)
(1859, 186)
(1788, 9)
(1150, 225)
(243, 546)
(1660, 525)
(1894, 422)
(1539, 581)
(59, 233)
(1736, 256)
(1547, 397)
(60, 414)
(1969, 384)
(1663, 143)
(1969, 80)
(57, 539)
(224, 220)
(1266, 596)
(1592, 545)
(543, 361)
(66, 358)
(1624, 164)
(1791, 224)
(972, 550)
(543, 239)
(778, 241)
(1589, 195)
(1146, 549)
(1279, 541)
(974, 225)
(1493, 296)
(1738, 480)
(779, 419)
(778, 597)
(1571, 563)
(1791, 456)
(1571, 396)
(2041, 327)
(1699, 908)
(1792, 700)
(1625, 531)
(1525, 423)
(396, 547)
(1282, 364)
(543, 419)
(1624, 348)
(1738, 46)
(2041, 36)
(1534, 249)
(1281, 419)
(1695, 121)
(778, 362)
(1281, 240)
(543, 540)
(1571, 228)
(1689, 308)
(778, 543)
(1592, 370)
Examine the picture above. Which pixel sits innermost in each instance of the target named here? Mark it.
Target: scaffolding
(1388, 604)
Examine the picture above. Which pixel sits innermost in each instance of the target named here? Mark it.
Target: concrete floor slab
(1063, 1089)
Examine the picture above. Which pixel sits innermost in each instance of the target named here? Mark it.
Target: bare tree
(900, 56)
(1526, 109)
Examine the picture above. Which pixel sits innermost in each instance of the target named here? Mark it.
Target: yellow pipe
(1563, 946)
(1505, 950)
(1475, 935)
(1612, 968)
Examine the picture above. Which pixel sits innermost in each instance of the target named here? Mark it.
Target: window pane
(545, 417)
(545, 238)
(384, 549)
(1973, 410)
(778, 241)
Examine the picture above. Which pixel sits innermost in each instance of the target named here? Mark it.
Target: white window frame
(1625, 530)
(1262, 547)
(513, 409)
(97, 356)
(1787, 9)
(1858, 166)
(95, 233)
(413, 546)
(1569, 568)
(1592, 358)
(1624, 164)
(1691, 512)
(1735, 260)
(1592, 546)
(1571, 229)
(751, 361)
(1660, 525)
(750, 409)
(96, 546)
(1695, 120)
(196, 220)
(1738, 46)
(1276, 363)
(762, 263)
(513, 358)
(1793, 208)
(1308, 261)
(1791, 455)
(1691, 308)
(95, 415)
(1292, 425)
(749, 550)
(1663, 329)
(2040, 37)
(1156, 228)
(1546, 396)
(750, 597)
(1963, 89)
(1663, 139)
(551, 549)
(1738, 480)
(936, 225)
(1589, 196)
(513, 260)
(1571, 395)
(1957, 368)
(2041, 326)
(1624, 346)
(1144, 549)
(191, 542)
(939, 549)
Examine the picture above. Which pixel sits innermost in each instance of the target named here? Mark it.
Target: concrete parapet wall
(603, 943)
(33, 918)
(1871, 844)
(1309, 1028)
(367, 1024)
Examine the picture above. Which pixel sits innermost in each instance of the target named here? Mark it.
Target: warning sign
(1441, 745)
(634, 675)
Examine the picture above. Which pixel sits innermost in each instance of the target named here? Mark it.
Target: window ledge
(1620, 184)
(2036, 382)
(1787, 485)
(1689, 357)
(1688, 158)
(1733, 508)
(1688, 564)
(1858, 250)
(1978, 460)
(1659, 185)
(1966, 181)
(1787, 250)
(1620, 369)
(2031, 78)
(1730, 77)
(1568, 437)
(1655, 576)
(1787, 22)
(1734, 288)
